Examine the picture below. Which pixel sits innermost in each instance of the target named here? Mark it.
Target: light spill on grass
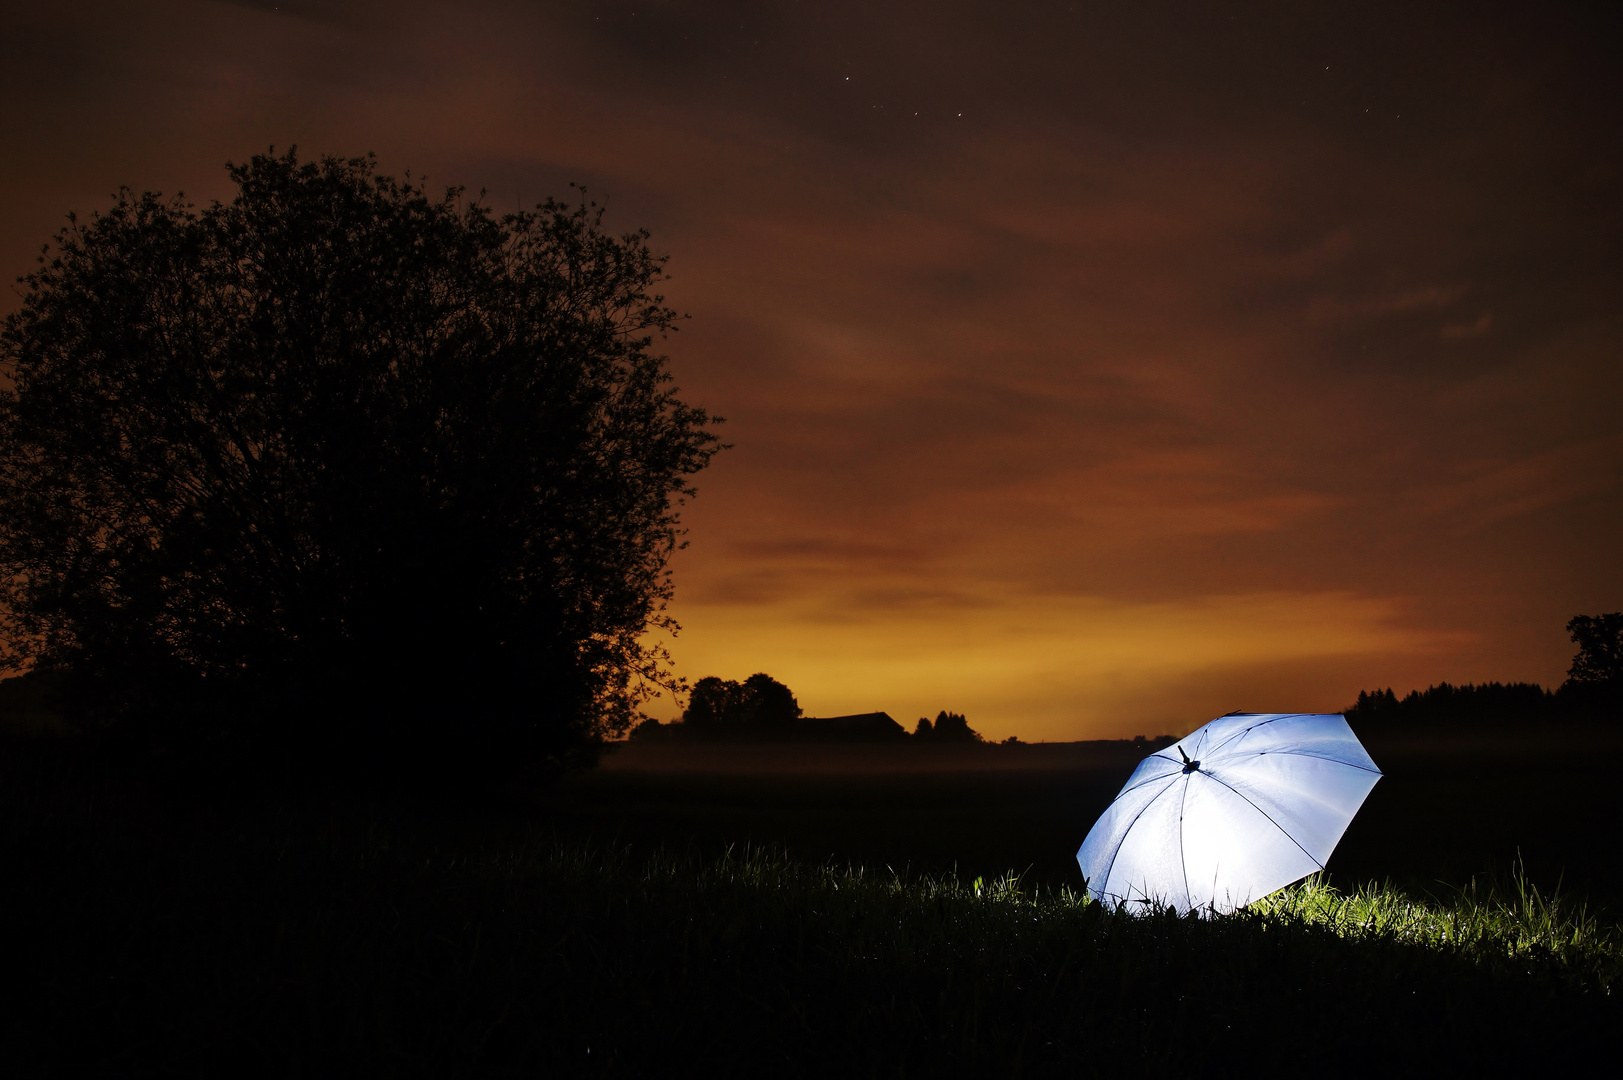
(1509, 918)
(1492, 920)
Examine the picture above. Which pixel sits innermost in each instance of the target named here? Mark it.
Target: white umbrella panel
(1239, 808)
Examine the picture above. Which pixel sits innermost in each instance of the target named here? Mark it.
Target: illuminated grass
(1493, 922)
(1490, 921)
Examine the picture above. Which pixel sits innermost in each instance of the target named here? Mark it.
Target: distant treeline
(1592, 693)
(1446, 705)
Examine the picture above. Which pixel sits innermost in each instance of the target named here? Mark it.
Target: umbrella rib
(1258, 724)
(1270, 818)
(1151, 780)
(1323, 757)
(1111, 865)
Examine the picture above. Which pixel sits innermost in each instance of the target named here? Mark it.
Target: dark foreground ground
(600, 930)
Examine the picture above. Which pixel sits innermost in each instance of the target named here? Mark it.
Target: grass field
(750, 915)
(1442, 814)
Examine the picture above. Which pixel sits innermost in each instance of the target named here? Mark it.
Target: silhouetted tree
(1594, 687)
(1375, 708)
(712, 705)
(1600, 648)
(341, 450)
(760, 706)
(767, 704)
(949, 727)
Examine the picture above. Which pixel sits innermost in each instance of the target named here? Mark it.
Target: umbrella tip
(1188, 766)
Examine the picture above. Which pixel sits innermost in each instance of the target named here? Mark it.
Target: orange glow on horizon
(1057, 668)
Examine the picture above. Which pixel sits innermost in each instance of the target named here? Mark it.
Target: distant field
(1441, 814)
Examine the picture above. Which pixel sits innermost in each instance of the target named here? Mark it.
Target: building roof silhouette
(857, 727)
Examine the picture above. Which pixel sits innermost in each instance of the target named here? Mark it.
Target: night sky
(1092, 368)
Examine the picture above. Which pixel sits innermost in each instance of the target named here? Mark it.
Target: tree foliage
(370, 455)
(948, 727)
(1600, 648)
(760, 705)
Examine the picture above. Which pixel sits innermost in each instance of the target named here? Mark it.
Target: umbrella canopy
(1239, 808)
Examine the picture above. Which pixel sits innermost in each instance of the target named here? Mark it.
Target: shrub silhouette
(344, 455)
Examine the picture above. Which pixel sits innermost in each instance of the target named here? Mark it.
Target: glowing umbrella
(1241, 807)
